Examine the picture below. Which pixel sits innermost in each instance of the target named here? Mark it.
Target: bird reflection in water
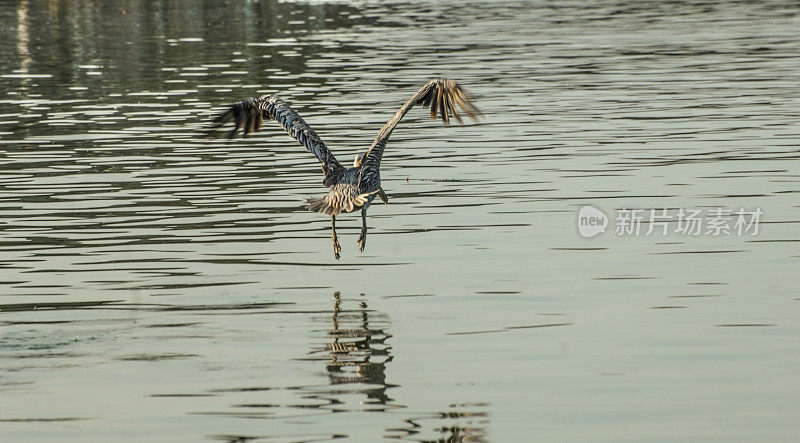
(464, 422)
(355, 359)
(357, 354)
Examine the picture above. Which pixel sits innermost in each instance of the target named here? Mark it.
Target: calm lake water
(160, 286)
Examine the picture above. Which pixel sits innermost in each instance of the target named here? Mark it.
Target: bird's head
(331, 175)
(358, 161)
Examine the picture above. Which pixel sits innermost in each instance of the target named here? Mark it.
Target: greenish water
(159, 286)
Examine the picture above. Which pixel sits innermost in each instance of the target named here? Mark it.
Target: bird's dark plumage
(355, 187)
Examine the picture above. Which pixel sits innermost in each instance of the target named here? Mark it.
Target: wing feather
(249, 114)
(443, 95)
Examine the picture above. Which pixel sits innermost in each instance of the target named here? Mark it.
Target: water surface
(159, 285)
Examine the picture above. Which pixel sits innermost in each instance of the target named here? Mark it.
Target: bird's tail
(317, 204)
(333, 206)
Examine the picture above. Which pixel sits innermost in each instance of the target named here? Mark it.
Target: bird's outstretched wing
(444, 96)
(250, 113)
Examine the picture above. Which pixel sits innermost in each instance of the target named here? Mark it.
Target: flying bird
(355, 187)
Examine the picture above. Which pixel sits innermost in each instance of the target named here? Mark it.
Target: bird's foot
(337, 248)
(362, 241)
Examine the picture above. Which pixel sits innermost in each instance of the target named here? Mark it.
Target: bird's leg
(362, 239)
(336, 247)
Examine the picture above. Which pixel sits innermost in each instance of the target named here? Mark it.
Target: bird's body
(352, 188)
(351, 191)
